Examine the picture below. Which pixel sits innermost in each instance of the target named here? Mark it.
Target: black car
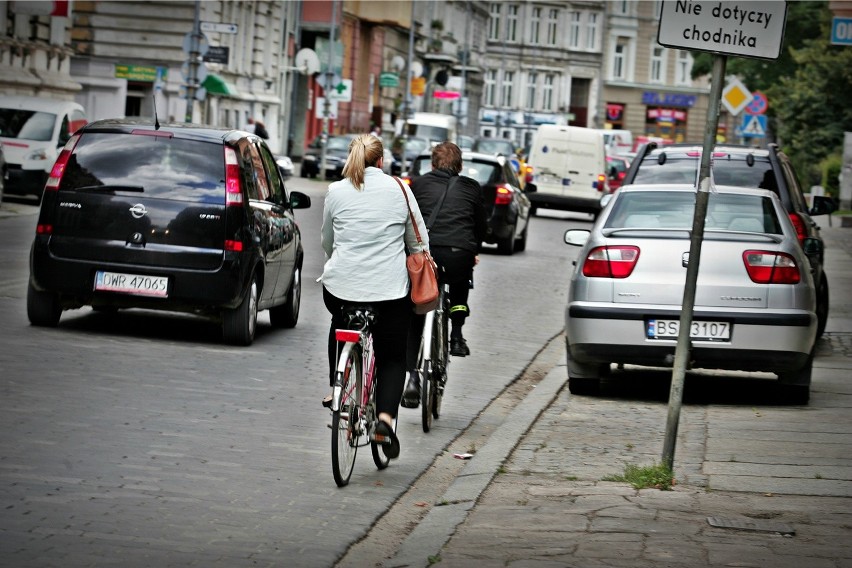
(506, 205)
(335, 156)
(767, 168)
(174, 217)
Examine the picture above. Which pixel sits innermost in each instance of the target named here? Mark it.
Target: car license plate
(135, 284)
(700, 331)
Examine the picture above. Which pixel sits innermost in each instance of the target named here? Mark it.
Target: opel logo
(138, 211)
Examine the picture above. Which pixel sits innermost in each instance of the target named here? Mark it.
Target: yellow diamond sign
(735, 96)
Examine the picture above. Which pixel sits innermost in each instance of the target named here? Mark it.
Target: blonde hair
(364, 150)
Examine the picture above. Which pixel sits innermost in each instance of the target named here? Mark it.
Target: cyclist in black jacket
(455, 235)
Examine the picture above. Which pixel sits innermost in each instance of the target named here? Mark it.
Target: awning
(216, 85)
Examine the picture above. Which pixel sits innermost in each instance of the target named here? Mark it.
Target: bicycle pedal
(379, 439)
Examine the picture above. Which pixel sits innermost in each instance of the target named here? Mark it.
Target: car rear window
(674, 210)
(26, 124)
(483, 172)
(727, 170)
(158, 166)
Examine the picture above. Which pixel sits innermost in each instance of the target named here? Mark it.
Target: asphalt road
(141, 439)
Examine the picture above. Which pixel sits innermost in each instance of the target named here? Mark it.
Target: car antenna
(156, 120)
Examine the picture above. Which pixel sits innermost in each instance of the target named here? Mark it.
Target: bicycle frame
(351, 338)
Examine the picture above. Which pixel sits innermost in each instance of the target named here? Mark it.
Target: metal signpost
(327, 86)
(748, 29)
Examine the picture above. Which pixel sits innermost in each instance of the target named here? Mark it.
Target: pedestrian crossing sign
(754, 126)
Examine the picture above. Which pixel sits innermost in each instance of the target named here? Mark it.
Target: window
(684, 68)
(512, 23)
(494, 22)
(506, 95)
(489, 93)
(619, 59)
(574, 31)
(658, 73)
(535, 26)
(547, 93)
(552, 22)
(532, 79)
(592, 35)
(622, 7)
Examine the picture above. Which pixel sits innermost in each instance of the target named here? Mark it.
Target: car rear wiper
(136, 188)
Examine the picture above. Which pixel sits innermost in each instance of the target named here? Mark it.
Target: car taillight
(528, 174)
(235, 246)
(767, 267)
(233, 191)
(600, 185)
(44, 229)
(799, 225)
(611, 262)
(58, 168)
(503, 195)
(406, 180)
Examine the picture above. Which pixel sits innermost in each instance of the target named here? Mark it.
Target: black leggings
(390, 331)
(455, 267)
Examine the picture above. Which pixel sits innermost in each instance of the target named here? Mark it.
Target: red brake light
(503, 196)
(767, 267)
(799, 225)
(611, 262)
(44, 229)
(235, 246)
(58, 168)
(233, 191)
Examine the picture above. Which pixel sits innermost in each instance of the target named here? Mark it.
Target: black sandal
(326, 402)
(385, 436)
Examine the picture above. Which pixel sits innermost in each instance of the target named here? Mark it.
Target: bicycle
(353, 406)
(433, 359)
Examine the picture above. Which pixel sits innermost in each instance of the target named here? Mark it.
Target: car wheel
(795, 386)
(240, 323)
(822, 306)
(584, 378)
(507, 245)
(521, 242)
(43, 308)
(287, 314)
(533, 210)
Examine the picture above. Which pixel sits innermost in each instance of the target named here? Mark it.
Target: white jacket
(364, 235)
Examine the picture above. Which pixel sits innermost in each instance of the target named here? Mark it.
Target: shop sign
(136, 73)
(666, 115)
(668, 99)
(388, 79)
(614, 111)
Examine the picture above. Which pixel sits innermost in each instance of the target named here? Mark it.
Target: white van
(33, 130)
(430, 125)
(618, 141)
(569, 168)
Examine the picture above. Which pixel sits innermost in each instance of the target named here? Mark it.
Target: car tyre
(584, 378)
(795, 386)
(287, 314)
(43, 308)
(240, 323)
(507, 245)
(822, 306)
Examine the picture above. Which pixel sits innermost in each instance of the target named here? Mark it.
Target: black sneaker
(411, 394)
(458, 347)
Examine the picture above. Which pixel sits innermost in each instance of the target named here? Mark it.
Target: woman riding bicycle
(366, 229)
(455, 234)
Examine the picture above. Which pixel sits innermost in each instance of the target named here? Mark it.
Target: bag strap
(410, 213)
(435, 211)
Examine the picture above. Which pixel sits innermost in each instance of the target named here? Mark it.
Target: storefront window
(666, 123)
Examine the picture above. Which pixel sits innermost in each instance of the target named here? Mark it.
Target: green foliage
(657, 475)
(831, 167)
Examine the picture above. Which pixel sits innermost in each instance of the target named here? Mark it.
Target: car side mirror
(576, 237)
(530, 187)
(823, 205)
(812, 246)
(299, 200)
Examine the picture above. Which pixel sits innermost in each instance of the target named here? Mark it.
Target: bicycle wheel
(440, 357)
(427, 398)
(345, 427)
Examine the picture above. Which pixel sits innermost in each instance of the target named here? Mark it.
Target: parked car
(465, 142)
(414, 146)
(285, 166)
(335, 156)
(767, 168)
(496, 146)
(755, 300)
(33, 130)
(506, 205)
(177, 217)
(616, 170)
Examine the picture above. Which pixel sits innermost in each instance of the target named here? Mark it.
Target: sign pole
(194, 51)
(684, 346)
(329, 76)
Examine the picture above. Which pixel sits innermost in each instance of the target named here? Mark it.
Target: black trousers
(455, 267)
(390, 331)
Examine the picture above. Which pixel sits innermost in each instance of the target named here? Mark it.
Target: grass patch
(657, 475)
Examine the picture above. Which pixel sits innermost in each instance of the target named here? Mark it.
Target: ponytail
(364, 150)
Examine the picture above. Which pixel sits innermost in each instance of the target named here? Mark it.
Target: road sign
(841, 31)
(320, 108)
(735, 96)
(743, 28)
(341, 92)
(418, 86)
(217, 27)
(217, 54)
(203, 45)
(758, 105)
(200, 72)
(753, 126)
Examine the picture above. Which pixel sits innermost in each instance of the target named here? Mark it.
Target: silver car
(755, 304)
